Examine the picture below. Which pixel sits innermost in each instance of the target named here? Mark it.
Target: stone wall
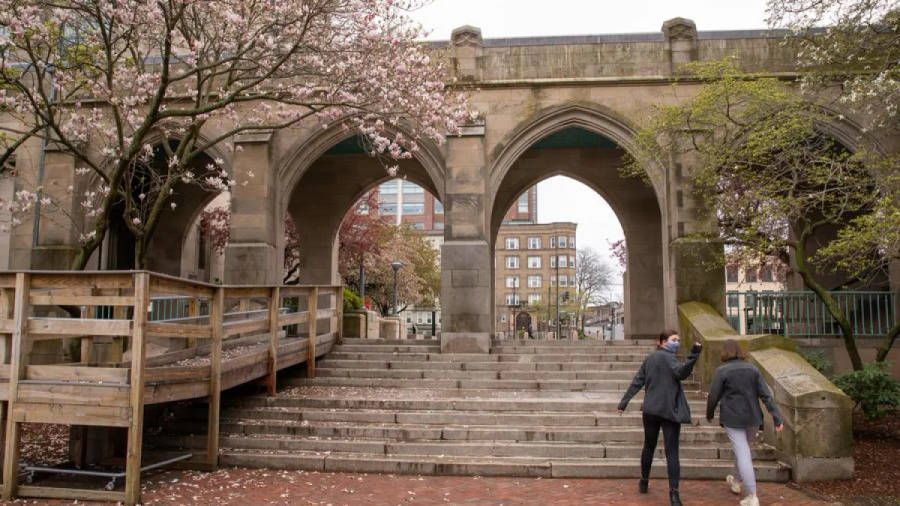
(817, 440)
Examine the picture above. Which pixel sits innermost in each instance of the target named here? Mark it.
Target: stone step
(344, 372)
(394, 342)
(386, 348)
(563, 343)
(471, 400)
(488, 384)
(489, 466)
(446, 417)
(405, 432)
(611, 356)
(559, 350)
(760, 452)
(330, 362)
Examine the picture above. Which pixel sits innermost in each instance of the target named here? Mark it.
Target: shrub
(352, 302)
(818, 360)
(873, 389)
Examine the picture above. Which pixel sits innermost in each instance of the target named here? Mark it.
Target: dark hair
(731, 350)
(665, 335)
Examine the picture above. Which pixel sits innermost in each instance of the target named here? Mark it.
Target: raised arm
(681, 370)
(637, 384)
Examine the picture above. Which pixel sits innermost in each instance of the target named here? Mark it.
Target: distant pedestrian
(665, 406)
(739, 387)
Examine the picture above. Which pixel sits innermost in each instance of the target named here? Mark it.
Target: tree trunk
(887, 343)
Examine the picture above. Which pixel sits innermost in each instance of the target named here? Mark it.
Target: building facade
(534, 264)
(741, 281)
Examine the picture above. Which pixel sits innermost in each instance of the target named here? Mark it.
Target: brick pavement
(261, 486)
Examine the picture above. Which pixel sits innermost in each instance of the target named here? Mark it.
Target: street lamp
(396, 265)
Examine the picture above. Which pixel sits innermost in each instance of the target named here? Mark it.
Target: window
(751, 276)
(414, 208)
(534, 243)
(512, 262)
(731, 274)
(418, 225)
(552, 280)
(523, 203)
(534, 281)
(439, 225)
(412, 188)
(572, 281)
(563, 280)
(534, 262)
(765, 273)
(362, 208)
(512, 243)
(534, 298)
(438, 207)
(389, 187)
(512, 282)
(572, 241)
(553, 262)
(563, 261)
(733, 300)
(561, 241)
(552, 242)
(571, 261)
(387, 208)
(512, 299)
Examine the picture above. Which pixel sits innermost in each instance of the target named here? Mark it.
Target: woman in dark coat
(739, 387)
(665, 406)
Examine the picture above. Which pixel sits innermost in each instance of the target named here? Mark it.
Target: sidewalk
(256, 487)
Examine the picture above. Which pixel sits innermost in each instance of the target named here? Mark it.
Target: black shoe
(642, 485)
(674, 498)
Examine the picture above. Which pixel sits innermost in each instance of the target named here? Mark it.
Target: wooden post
(136, 400)
(193, 310)
(216, 318)
(274, 330)
(86, 341)
(339, 311)
(312, 308)
(18, 360)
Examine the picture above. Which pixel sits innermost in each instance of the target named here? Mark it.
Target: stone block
(354, 324)
(465, 342)
(389, 327)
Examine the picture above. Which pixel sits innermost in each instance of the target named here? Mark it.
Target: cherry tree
(141, 93)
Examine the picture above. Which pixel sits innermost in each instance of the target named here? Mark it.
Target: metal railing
(802, 314)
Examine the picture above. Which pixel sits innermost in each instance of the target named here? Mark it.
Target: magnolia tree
(138, 92)
(777, 187)
(363, 235)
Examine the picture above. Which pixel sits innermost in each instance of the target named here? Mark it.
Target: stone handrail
(817, 440)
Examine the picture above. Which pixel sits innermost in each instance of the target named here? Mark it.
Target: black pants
(671, 432)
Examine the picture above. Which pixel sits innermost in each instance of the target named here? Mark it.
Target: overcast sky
(597, 225)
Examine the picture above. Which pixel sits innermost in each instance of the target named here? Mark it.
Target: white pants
(743, 460)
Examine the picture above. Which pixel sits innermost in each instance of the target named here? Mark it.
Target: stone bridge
(564, 105)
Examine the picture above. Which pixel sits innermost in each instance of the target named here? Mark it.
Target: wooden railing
(116, 375)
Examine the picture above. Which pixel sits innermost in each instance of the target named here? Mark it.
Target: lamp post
(396, 265)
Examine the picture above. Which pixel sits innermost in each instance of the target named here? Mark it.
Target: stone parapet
(817, 440)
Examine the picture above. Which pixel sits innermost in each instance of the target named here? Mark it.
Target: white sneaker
(750, 500)
(734, 484)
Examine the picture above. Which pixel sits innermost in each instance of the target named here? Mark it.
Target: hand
(697, 347)
(621, 412)
(779, 427)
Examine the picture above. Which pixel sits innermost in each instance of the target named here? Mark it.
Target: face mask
(671, 346)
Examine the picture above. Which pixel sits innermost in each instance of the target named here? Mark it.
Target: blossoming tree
(140, 93)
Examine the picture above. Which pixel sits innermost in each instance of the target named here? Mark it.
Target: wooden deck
(230, 335)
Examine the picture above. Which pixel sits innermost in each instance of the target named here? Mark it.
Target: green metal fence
(801, 314)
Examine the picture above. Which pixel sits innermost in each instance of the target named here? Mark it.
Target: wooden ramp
(208, 337)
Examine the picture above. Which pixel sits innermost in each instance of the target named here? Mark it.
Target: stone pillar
(466, 255)
(680, 42)
(467, 48)
(696, 256)
(251, 254)
(57, 238)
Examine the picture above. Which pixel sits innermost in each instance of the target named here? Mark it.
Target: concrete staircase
(530, 408)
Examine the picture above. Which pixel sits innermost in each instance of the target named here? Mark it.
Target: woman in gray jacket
(665, 406)
(739, 387)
